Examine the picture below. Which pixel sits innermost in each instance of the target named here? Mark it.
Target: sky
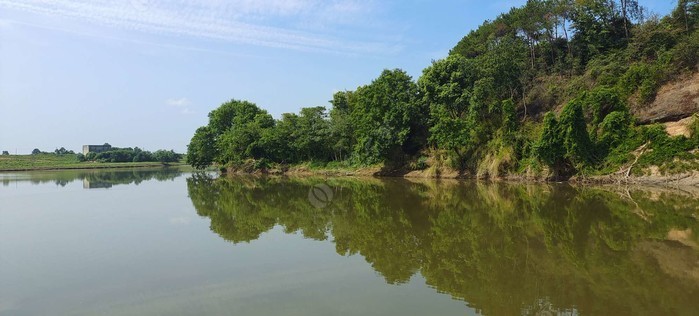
(146, 73)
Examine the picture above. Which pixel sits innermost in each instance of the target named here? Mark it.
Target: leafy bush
(614, 128)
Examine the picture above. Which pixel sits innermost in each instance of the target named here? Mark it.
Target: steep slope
(674, 101)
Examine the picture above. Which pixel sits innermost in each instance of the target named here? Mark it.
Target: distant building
(96, 148)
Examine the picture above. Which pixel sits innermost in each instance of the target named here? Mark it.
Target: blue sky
(146, 72)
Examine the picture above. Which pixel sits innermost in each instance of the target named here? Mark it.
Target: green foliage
(243, 137)
(550, 147)
(601, 101)
(447, 89)
(201, 150)
(614, 128)
(510, 123)
(686, 14)
(388, 118)
(341, 129)
(122, 155)
(5, 153)
(579, 148)
(314, 134)
(686, 54)
(566, 143)
(36, 151)
(665, 149)
(166, 156)
(63, 151)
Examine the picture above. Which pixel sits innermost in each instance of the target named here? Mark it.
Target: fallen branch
(643, 149)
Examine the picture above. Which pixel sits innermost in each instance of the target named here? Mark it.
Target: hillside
(549, 90)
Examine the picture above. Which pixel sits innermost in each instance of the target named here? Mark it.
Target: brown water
(167, 242)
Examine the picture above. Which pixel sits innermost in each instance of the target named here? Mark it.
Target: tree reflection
(502, 248)
(96, 178)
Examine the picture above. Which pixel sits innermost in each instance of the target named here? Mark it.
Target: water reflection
(503, 249)
(93, 179)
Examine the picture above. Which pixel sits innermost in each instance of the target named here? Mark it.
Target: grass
(53, 161)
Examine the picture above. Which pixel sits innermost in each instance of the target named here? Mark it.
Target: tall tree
(314, 134)
(342, 130)
(447, 88)
(385, 116)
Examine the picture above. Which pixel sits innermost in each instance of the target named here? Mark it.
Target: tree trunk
(624, 16)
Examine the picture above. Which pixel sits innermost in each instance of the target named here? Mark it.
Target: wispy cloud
(180, 103)
(270, 23)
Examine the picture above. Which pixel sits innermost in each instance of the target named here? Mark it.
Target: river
(173, 242)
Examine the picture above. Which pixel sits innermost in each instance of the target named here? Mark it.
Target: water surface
(168, 242)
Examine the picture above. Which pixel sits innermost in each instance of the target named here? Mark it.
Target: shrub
(601, 101)
(549, 149)
(614, 129)
(577, 142)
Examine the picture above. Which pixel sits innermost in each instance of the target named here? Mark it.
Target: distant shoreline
(50, 161)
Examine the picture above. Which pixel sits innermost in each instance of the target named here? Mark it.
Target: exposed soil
(673, 101)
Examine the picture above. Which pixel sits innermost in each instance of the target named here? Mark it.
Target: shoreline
(686, 179)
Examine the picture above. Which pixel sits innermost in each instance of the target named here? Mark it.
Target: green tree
(63, 151)
(313, 141)
(579, 148)
(550, 148)
(166, 156)
(565, 144)
(598, 28)
(387, 118)
(447, 88)
(201, 150)
(686, 14)
(234, 133)
(341, 128)
(243, 140)
(280, 142)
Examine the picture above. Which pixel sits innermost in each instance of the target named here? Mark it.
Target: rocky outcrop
(682, 127)
(673, 102)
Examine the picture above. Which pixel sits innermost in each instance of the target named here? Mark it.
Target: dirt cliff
(673, 102)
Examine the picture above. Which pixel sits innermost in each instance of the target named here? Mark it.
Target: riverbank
(652, 177)
(44, 162)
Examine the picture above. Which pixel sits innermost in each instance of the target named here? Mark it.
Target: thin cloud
(181, 102)
(271, 23)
